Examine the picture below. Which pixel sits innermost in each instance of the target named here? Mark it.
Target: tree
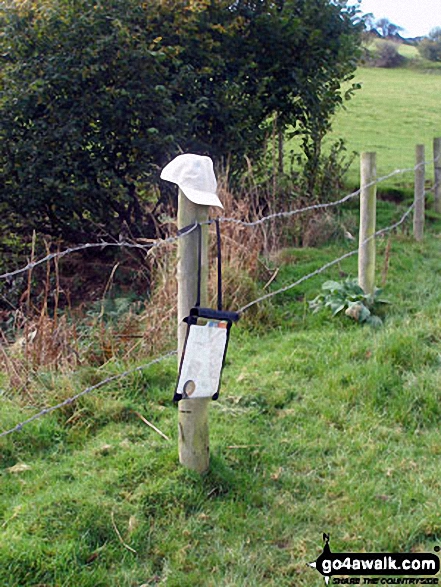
(387, 28)
(430, 47)
(388, 55)
(96, 97)
(86, 119)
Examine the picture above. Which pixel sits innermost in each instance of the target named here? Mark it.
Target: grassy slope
(395, 110)
(321, 426)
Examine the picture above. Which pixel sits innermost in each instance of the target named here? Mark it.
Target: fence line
(72, 399)
(172, 239)
(181, 234)
(327, 265)
(149, 247)
(290, 213)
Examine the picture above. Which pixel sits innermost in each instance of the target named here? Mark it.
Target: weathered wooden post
(368, 206)
(419, 203)
(437, 170)
(197, 191)
(194, 446)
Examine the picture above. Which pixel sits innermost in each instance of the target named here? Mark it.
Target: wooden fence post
(418, 213)
(437, 166)
(368, 206)
(192, 413)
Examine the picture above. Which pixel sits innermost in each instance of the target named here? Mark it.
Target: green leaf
(357, 289)
(336, 308)
(383, 301)
(364, 313)
(374, 321)
(332, 286)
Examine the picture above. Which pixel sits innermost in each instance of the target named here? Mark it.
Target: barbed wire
(172, 239)
(327, 265)
(101, 245)
(321, 269)
(74, 398)
(350, 196)
(290, 213)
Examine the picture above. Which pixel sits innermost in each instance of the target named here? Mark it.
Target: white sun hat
(194, 174)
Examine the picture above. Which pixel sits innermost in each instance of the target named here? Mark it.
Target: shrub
(430, 48)
(95, 97)
(349, 296)
(388, 56)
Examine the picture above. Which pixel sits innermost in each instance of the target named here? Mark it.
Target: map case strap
(206, 341)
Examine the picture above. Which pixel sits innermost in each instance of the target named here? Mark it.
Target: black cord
(198, 300)
(219, 266)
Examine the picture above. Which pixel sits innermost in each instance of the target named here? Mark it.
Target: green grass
(395, 110)
(321, 426)
(409, 52)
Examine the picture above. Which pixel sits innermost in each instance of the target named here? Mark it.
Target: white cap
(194, 174)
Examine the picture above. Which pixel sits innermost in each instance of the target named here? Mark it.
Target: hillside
(394, 110)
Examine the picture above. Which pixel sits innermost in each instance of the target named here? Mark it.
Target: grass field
(322, 426)
(395, 110)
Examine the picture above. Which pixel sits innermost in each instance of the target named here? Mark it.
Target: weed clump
(347, 295)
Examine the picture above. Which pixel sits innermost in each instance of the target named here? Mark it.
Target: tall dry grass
(51, 338)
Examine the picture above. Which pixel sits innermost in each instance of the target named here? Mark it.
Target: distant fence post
(437, 166)
(418, 213)
(193, 414)
(368, 205)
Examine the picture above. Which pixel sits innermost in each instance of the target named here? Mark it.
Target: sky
(417, 17)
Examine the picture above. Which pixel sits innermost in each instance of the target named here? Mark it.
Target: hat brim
(201, 198)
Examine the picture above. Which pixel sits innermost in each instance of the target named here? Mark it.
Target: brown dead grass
(54, 340)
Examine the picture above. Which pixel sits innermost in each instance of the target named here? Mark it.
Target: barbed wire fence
(157, 243)
(188, 230)
(327, 265)
(74, 398)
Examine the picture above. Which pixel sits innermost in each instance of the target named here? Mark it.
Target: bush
(388, 56)
(96, 97)
(430, 48)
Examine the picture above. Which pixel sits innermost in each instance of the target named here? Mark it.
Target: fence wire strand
(74, 398)
(18, 427)
(101, 245)
(162, 242)
(289, 213)
(172, 239)
(327, 265)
